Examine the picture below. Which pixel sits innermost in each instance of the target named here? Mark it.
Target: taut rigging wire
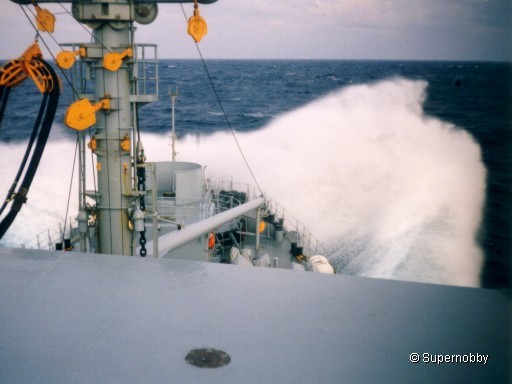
(69, 190)
(49, 50)
(75, 92)
(228, 122)
(86, 30)
(41, 130)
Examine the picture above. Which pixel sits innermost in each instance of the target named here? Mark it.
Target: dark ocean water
(476, 97)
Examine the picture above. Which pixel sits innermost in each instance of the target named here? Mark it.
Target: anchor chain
(141, 186)
(142, 242)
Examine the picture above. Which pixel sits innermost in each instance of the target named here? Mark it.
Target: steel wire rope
(84, 28)
(100, 42)
(39, 36)
(226, 118)
(95, 185)
(69, 191)
(89, 130)
(39, 132)
(76, 94)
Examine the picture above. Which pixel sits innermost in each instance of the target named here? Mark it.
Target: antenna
(173, 135)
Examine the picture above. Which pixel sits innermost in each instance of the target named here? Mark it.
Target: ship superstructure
(160, 209)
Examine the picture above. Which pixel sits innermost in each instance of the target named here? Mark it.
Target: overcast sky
(307, 29)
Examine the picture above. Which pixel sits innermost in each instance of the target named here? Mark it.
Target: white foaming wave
(392, 192)
(46, 201)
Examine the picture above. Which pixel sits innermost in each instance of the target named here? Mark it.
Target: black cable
(28, 150)
(50, 108)
(4, 96)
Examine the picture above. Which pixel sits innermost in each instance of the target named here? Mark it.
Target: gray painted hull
(76, 318)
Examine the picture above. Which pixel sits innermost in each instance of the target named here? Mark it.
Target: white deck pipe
(176, 239)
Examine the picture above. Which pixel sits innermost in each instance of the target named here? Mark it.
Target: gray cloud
(350, 29)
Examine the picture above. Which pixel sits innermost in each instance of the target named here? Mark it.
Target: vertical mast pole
(113, 130)
(114, 164)
(111, 21)
(173, 134)
(82, 215)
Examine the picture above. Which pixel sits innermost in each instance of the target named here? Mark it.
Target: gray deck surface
(75, 318)
(280, 250)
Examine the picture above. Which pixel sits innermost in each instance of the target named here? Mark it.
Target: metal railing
(180, 209)
(48, 239)
(219, 197)
(145, 74)
(310, 244)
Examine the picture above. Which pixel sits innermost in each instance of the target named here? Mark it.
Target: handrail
(195, 209)
(176, 239)
(311, 245)
(47, 239)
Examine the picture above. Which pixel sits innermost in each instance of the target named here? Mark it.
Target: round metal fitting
(207, 358)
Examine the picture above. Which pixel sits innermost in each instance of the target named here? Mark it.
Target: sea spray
(392, 192)
(48, 195)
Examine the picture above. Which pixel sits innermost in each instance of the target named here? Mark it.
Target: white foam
(392, 192)
(48, 194)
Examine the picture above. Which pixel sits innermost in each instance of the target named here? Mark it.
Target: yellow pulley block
(40, 75)
(45, 20)
(197, 27)
(66, 59)
(93, 144)
(28, 65)
(12, 73)
(32, 52)
(15, 71)
(125, 143)
(82, 114)
(113, 60)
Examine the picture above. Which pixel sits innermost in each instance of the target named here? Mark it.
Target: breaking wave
(391, 192)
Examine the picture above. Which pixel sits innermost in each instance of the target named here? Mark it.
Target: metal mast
(112, 22)
(173, 95)
(114, 165)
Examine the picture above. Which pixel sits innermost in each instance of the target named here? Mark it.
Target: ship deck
(82, 318)
(197, 251)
